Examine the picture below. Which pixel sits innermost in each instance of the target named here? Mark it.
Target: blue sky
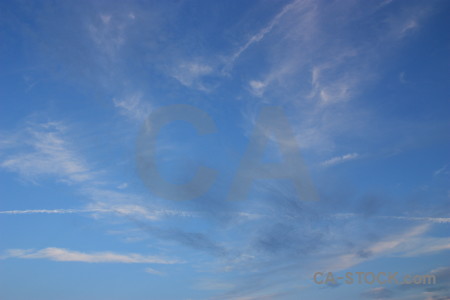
(363, 85)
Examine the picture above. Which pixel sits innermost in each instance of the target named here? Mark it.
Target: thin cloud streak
(340, 159)
(437, 220)
(65, 255)
(259, 36)
(45, 211)
(120, 210)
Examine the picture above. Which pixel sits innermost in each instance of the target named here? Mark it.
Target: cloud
(284, 238)
(109, 33)
(101, 209)
(340, 159)
(442, 286)
(430, 296)
(122, 186)
(312, 71)
(440, 290)
(264, 277)
(257, 87)
(443, 274)
(423, 246)
(140, 212)
(408, 243)
(398, 243)
(105, 18)
(339, 69)
(407, 21)
(153, 271)
(133, 107)
(442, 171)
(130, 205)
(110, 202)
(320, 76)
(437, 220)
(42, 149)
(44, 211)
(260, 35)
(190, 74)
(194, 240)
(65, 255)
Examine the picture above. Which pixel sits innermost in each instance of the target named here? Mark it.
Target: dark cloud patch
(370, 205)
(364, 253)
(442, 285)
(194, 240)
(284, 238)
(438, 291)
(437, 297)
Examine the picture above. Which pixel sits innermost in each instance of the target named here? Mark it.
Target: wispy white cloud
(408, 26)
(400, 244)
(412, 242)
(305, 65)
(43, 211)
(260, 35)
(99, 209)
(423, 246)
(41, 149)
(335, 78)
(394, 243)
(331, 89)
(407, 242)
(190, 74)
(437, 220)
(442, 171)
(105, 18)
(108, 32)
(340, 159)
(342, 73)
(103, 209)
(154, 272)
(124, 209)
(120, 203)
(133, 107)
(257, 87)
(407, 21)
(122, 186)
(65, 255)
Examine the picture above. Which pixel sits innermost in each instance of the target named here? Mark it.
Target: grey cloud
(194, 240)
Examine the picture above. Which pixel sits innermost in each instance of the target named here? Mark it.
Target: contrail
(51, 211)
